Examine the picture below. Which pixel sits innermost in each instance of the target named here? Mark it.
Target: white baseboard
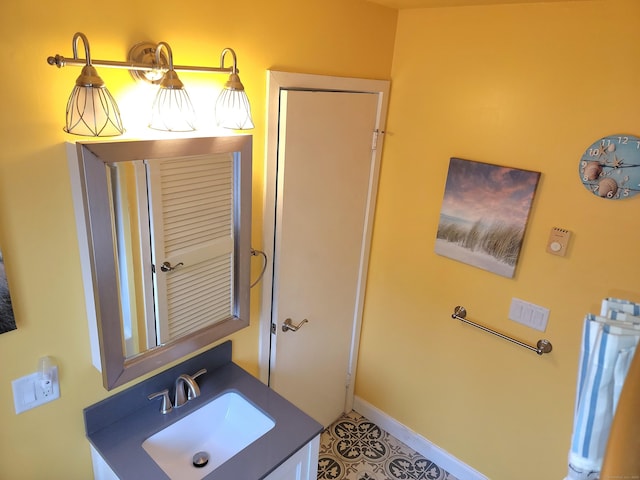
(417, 442)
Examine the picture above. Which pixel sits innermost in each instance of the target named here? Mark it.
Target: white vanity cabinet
(302, 465)
(101, 471)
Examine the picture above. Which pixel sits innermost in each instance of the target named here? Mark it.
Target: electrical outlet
(31, 391)
(45, 387)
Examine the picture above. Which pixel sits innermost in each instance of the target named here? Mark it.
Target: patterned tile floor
(354, 448)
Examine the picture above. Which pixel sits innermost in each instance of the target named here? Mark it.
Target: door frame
(277, 81)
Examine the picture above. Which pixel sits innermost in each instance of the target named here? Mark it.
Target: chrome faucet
(186, 388)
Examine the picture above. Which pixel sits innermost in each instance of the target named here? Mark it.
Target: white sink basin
(221, 428)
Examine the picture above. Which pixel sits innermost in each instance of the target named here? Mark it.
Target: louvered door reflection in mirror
(191, 219)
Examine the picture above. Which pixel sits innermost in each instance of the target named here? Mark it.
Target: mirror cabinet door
(165, 246)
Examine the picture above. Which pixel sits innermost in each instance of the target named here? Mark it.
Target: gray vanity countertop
(120, 442)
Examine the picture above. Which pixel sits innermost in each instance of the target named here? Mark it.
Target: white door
(325, 182)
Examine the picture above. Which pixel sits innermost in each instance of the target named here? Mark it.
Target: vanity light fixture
(172, 110)
(147, 62)
(91, 110)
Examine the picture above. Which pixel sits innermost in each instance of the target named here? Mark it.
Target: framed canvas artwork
(484, 214)
(7, 319)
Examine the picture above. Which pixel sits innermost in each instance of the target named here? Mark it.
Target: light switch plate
(529, 314)
(28, 392)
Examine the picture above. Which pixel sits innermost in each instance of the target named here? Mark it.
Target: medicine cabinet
(164, 230)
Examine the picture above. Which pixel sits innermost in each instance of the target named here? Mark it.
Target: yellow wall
(528, 86)
(37, 231)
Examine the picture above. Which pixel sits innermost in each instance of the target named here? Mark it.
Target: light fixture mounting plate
(145, 53)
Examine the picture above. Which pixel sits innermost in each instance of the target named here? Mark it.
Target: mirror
(164, 229)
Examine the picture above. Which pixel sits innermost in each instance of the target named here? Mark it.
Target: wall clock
(610, 167)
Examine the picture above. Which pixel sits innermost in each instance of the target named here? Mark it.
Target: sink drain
(200, 459)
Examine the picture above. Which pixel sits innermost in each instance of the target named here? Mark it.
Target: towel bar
(543, 346)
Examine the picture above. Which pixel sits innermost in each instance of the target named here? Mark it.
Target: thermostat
(558, 241)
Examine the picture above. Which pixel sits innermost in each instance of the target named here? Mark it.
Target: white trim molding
(417, 442)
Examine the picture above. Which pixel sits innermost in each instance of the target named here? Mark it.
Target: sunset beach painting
(484, 214)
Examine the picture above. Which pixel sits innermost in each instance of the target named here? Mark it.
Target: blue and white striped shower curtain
(608, 345)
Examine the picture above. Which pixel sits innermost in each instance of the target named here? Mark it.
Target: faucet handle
(191, 394)
(166, 401)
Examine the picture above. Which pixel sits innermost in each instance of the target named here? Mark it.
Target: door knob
(166, 266)
(288, 325)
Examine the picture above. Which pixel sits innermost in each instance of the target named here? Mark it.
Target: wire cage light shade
(92, 112)
(91, 109)
(232, 108)
(172, 109)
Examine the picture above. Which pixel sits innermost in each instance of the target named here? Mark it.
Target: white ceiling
(452, 3)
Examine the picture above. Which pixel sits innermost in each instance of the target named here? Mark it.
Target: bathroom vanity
(118, 426)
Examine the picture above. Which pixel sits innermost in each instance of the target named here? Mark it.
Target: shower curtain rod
(543, 346)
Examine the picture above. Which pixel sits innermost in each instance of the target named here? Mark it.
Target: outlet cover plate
(28, 392)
